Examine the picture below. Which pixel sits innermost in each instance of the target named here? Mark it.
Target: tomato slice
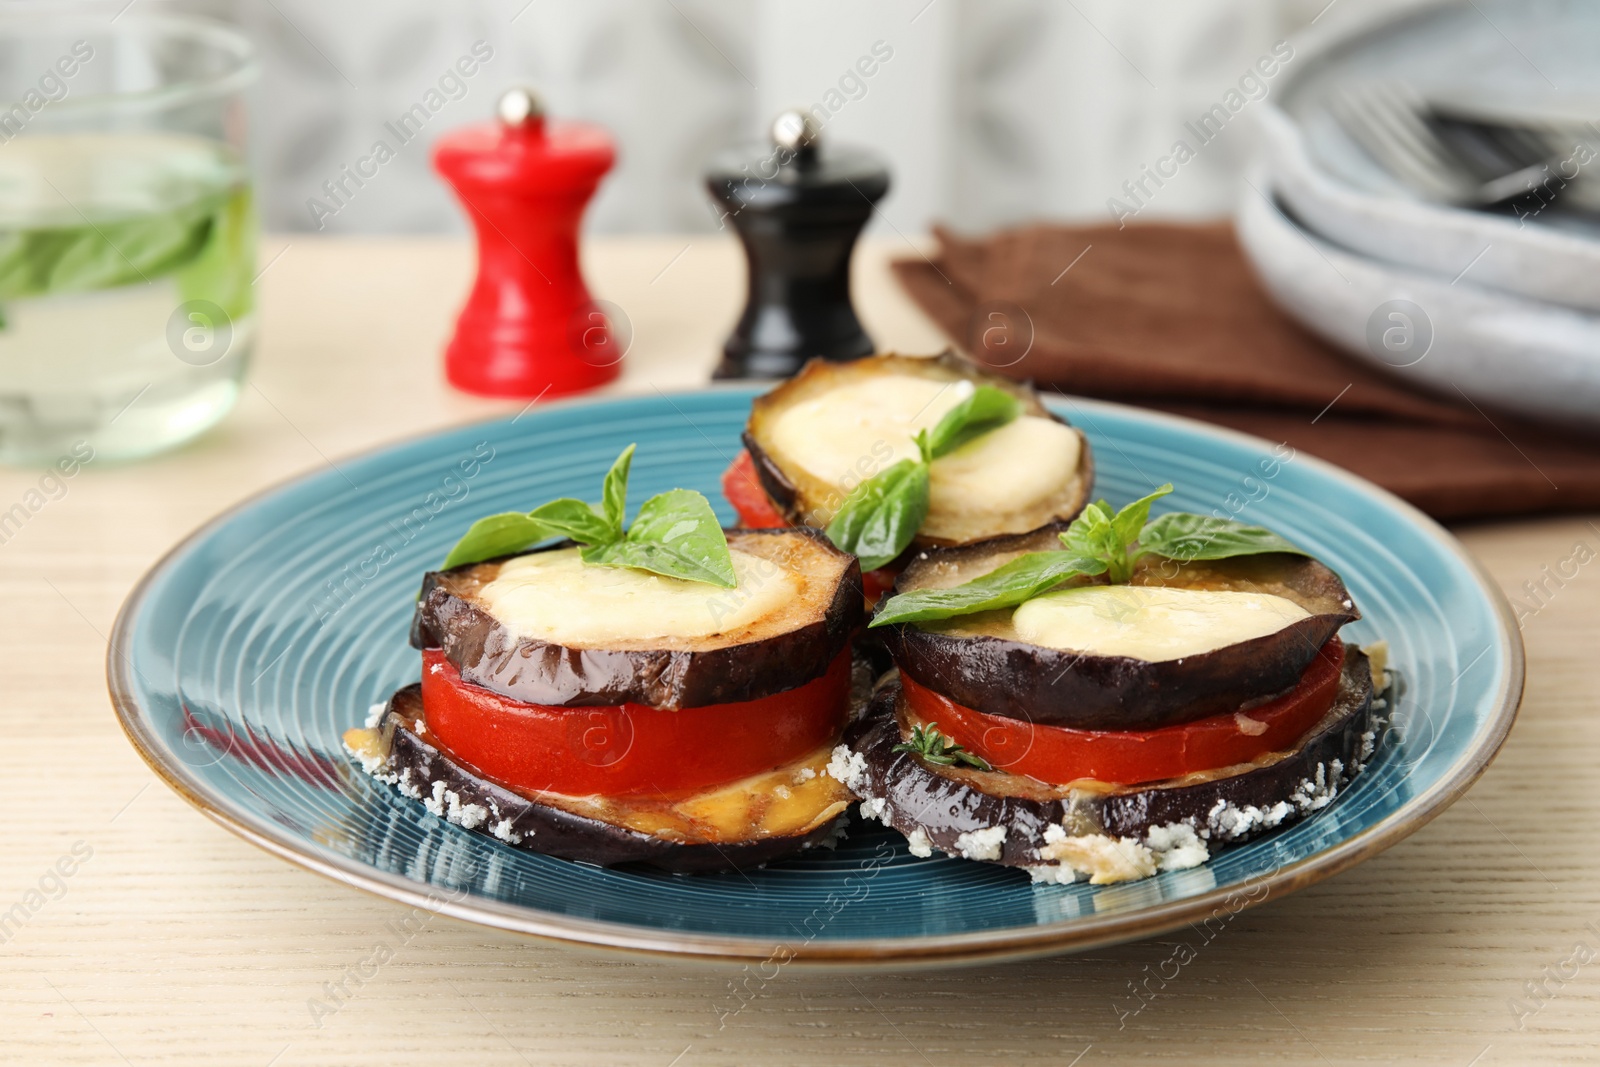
(628, 749)
(1060, 754)
(743, 489)
(875, 584)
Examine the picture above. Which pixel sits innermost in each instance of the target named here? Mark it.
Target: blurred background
(989, 112)
(1297, 218)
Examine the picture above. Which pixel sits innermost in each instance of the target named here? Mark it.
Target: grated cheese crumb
(406, 785)
(985, 844)
(848, 767)
(1369, 744)
(372, 761)
(467, 816)
(435, 802)
(447, 805)
(917, 841)
(1176, 846)
(1103, 858)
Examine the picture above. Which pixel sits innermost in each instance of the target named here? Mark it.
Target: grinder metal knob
(798, 204)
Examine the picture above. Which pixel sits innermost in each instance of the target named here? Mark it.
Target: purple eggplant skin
(998, 675)
(783, 493)
(946, 802)
(554, 832)
(539, 672)
(788, 497)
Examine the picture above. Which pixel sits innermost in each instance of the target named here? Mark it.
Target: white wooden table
(173, 942)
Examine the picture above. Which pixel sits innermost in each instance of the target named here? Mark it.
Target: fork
(1451, 159)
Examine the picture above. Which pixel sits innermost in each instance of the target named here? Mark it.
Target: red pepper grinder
(529, 327)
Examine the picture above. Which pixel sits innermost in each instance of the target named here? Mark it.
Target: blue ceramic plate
(240, 659)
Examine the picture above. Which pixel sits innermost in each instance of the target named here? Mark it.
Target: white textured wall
(989, 111)
(807, 53)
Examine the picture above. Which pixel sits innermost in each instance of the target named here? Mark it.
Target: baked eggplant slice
(833, 425)
(545, 628)
(1104, 832)
(986, 661)
(742, 824)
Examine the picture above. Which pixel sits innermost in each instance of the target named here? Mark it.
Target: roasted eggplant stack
(606, 701)
(1113, 674)
(837, 447)
(1115, 704)
(547, 629)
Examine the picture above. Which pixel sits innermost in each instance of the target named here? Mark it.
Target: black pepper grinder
(798, 207)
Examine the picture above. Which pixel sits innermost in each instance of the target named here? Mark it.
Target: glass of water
(127, 230)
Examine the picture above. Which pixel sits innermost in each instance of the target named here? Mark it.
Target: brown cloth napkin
(1169, 316)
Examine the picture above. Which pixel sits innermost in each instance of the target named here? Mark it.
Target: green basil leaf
(224, 268)
(132, 250)
(577, 520)
(496, 535)
(78, 259)
(676, 534)
(615, 493)
(1022, 579)
(657, 559)
(881, 515)
(986, 410)
(1103, 534)
(1129, 523)
(585, 523)
(25, 259)
(1090, 533)
(1182, 536)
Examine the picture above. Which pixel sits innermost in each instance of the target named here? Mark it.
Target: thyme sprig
(935, 747)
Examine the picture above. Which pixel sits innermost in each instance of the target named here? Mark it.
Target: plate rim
(1075, 934)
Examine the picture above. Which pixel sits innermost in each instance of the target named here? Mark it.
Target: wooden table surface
(1476, 941)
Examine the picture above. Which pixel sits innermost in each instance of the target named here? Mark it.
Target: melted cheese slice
(844, 436)
(1151, 623)
(556, 597)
